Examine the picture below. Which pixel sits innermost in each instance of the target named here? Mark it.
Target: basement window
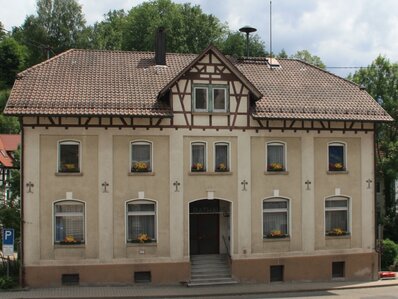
(276, 273)
(142, 277)
(70, 279)
(338, 269)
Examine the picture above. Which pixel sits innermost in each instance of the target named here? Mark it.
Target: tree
(235, 44)
(282, 54)
(188, 29)
(58, 26)
(381, 80)
(108, 34)
(306, 56)
(12, 60)
(2, 31)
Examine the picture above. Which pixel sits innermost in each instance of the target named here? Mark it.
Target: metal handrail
(226, 246)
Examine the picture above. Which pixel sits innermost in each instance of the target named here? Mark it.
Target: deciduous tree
(306, 56)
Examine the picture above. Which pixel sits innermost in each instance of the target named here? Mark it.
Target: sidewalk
(148, 291)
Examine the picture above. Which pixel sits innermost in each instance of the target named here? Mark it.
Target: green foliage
(2, 31)
(235, 44)
(188, 29)
(59, 25)
(8, 124)
(12, 60)
(381, 80)
(390, 253)
(7, 283)
(108, 34)
(306, 56)
(282, 54)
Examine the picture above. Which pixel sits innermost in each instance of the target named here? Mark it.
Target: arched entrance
(209, 226)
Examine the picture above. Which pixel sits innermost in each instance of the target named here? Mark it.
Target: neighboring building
(131, 167)
(8, 145)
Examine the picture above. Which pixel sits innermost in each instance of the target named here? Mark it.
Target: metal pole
(8, 267)
(247, 44)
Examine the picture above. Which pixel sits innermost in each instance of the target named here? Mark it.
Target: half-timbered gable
(147, 166)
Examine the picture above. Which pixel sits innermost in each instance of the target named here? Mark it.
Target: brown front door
(204, 227)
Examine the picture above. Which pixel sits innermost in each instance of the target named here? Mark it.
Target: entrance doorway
(209, 226)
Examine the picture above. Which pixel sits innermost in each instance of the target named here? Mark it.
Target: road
(365, 293)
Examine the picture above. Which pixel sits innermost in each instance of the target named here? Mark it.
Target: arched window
(337, 156)
(198, 156)
(276, 156)
(141, 221)
(337, 216)
(68, 156)
(69, 222)
(221, 157)
(141, 156)
(275, 218)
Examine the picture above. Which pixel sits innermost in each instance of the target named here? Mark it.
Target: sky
(343, 33)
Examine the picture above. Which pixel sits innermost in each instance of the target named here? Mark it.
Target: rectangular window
(141, 222)
(200, 96)
(68, 155)
(222, 157)
(198, 156)
(141, 156)
(69, 222)
(219, 99)
(275, 218)
(336, 216)
(276, 273)
(337, 157)
(210, 98)
(338, 269)
(276, 157)
(142, 277)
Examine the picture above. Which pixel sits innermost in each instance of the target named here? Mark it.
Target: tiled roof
(87, 82)
(297, 90)
(8, 143)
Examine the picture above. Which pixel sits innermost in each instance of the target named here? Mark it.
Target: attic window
(210, 98)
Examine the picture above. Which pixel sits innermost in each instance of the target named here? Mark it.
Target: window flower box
(336, 167)
(197, 167)
(140, 167)
(70, 240)
(276, 234)
(142, 238)
(222, 168)
(336, 232)
(276, 167)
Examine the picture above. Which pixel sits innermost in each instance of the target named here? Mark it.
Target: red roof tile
(88, 82)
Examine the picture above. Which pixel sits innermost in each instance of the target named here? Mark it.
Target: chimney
(160, 46)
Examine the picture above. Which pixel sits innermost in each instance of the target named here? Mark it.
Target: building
(9, 143)
(134, 163)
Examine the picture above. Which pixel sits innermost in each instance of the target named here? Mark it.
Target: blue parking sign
(8, 236)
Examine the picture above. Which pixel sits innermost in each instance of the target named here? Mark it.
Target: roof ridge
(129, 51)
(21, 74)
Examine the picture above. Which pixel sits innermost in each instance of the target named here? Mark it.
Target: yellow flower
(197, 166)
(69, 239)
(337, 232)
(143, 238)
(139, 166)
(338, 165)
(276, 233)
(222, 166)
(275, 166)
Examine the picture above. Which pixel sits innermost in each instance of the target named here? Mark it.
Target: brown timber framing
(287, 124)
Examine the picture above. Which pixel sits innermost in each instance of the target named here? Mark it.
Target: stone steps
(210, 270)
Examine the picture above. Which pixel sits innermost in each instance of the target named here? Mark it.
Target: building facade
(131, 168)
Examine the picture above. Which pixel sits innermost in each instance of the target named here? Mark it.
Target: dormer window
(210, 98)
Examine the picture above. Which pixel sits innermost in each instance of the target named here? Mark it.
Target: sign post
(8, 245)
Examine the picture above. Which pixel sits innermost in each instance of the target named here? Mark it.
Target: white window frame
(228, 144)
(337, 143)
(210, 97)
(348, 209)
(127, 214)
(141, 142)
(206, 155)
(69, 142)
(213, 87)
(276, 142)
(75, 201)
(194, 98)
(277, 199)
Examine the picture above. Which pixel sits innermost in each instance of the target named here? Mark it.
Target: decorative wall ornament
(104, 185)
(369, 181)
(244, 183)
(308, 183)
(176, 184)
(30, 185)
